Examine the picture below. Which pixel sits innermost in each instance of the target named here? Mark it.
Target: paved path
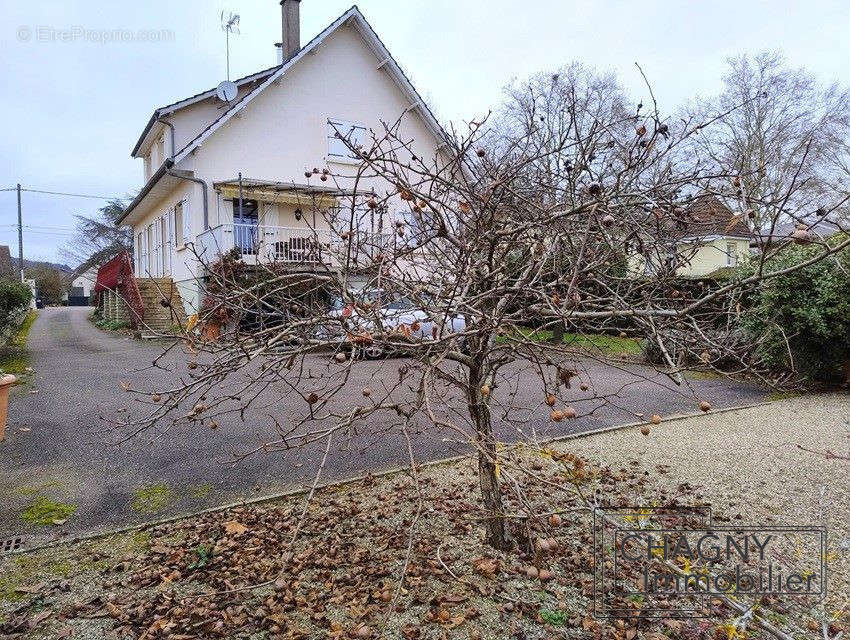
(70, 452)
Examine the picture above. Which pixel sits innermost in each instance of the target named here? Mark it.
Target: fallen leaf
(487, 567)
(234, 528)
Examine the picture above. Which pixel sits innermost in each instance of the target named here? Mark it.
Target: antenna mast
(229, 24)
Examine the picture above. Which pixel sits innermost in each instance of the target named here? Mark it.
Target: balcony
(309, 248)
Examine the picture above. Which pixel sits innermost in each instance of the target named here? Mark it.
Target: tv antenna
(229, 24)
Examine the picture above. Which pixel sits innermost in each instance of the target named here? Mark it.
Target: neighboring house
(819, 230)
(282, 123)
(707, 237)
(81, 289)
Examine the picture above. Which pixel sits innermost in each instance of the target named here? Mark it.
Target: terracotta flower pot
(6, 383)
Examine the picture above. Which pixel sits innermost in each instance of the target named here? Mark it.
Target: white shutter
(187, 222)
(170, 226)
(149, 266)
(138, 260)
(358, 136)
(157, 241)
(143, 263)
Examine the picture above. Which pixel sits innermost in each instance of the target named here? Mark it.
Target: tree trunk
(558, 333)
(495, 527)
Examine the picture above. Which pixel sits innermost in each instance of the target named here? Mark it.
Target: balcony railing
(290, 245)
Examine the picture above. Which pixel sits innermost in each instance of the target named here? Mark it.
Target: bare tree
(571, 118)
(784, 134)
(461, 284)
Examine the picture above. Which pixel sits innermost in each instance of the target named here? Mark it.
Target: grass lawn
(615, 345)
(14, 357)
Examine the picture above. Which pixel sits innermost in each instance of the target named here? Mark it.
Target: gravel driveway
(70, 454)
(750, 465)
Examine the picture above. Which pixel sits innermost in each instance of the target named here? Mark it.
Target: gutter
(184, 176)
(141, 139)
(146, 189)
(166, 169)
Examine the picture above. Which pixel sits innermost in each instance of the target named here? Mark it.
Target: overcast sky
(74, 102)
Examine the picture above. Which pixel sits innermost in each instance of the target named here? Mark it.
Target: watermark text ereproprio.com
(78, 33)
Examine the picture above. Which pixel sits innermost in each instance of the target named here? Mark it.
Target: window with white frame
(341, 130)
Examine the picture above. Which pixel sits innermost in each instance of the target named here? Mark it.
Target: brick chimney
(290, 28)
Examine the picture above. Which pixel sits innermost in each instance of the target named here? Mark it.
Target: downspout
(203, 186)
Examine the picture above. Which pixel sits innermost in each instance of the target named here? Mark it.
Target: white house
(81, 288)
(202, 152)
(707, 238)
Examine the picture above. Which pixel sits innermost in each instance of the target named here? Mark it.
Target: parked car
(397, 315)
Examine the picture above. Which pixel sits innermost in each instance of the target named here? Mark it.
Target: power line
(46, 230)
(61, 232)
(64, 234)
(38, 226)
(73, 195)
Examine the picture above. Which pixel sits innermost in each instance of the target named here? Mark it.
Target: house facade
(253, 173)
(81, 288)
(708, 238)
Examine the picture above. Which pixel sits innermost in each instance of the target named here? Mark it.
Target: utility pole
(20, 236)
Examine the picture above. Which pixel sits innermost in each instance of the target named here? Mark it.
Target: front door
(245, 226)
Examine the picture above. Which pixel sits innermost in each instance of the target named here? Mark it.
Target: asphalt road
(61, 442)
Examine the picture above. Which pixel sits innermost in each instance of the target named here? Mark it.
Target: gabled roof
(161, 112)
(372, 40)
(707, 216)
(269, 76)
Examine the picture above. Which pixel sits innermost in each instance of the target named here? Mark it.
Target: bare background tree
(784, 133)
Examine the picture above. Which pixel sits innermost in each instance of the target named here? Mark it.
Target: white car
(400, 315)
